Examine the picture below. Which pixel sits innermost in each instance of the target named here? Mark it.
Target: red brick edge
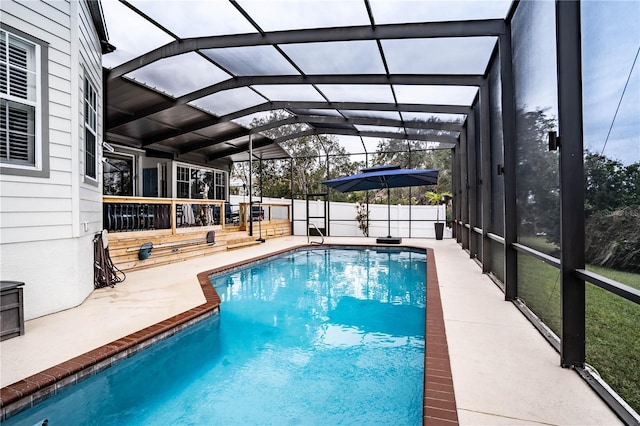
(439, 407)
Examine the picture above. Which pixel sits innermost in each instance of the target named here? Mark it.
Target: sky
(611, 40)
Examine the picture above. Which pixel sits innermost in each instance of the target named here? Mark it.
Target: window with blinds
(18, 100)
(90, 129)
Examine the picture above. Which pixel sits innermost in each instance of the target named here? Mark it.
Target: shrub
(613, 239)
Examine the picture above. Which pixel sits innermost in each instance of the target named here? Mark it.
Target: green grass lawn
(612, 323)
(540, 244)
(628, 278)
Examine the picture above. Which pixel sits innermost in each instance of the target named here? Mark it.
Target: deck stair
(125, 246)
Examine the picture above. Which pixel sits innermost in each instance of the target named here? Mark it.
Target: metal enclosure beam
(258, 142)
(352, 121)
(360, 106)
(479, 28)
(485, 143)
(354, 132)
(509, 167)
(276, 105)
(464, 186)
(251, 185)
(455, 178)
(349, 79)
(572, 220)
(472, 136)
(194, 146)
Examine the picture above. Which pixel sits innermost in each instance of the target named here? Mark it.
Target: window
(90, 129)
(24, 148)
(200, 183)
(221, 187)
(183, 182)
(117, 174)
(18, 100)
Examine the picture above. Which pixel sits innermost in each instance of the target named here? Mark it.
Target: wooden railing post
(173, 213)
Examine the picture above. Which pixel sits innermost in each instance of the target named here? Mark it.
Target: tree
(612, 209)
(609, 185)
(537, 176)
(315, 159)
(415, 155)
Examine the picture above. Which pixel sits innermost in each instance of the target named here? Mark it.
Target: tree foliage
(612, 208)
(414, 155)
(362, 216)
(613, 238)
(314, 159)
(609, 185)
(318, 158)
(537, 176)
(435, 198)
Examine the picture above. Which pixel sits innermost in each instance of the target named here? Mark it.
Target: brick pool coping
(439, 397)
(439, 406)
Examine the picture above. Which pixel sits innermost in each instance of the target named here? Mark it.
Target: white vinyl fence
(406, 221)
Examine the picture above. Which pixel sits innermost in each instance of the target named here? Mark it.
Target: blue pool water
(323, 336)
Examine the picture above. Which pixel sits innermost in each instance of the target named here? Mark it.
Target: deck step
(189, 243)
(242, 244)
(173, 246)
(157, 259)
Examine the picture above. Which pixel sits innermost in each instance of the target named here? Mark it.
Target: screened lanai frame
(264, 64)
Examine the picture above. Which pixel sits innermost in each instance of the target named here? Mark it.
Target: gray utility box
(11, 310)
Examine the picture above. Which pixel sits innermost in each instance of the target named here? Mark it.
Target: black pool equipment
(260, 217)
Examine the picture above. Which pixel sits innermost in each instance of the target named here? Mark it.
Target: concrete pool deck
(504, 372)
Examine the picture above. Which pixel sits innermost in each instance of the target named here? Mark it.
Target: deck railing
(126, 214)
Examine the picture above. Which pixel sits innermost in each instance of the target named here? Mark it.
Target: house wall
(47, 223)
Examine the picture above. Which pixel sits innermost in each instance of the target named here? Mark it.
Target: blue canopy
(383, 177)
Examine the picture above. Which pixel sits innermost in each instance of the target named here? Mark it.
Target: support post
(472, 137)
(251, 184)
(509, 167)
(455, 171)
(388, 212)
(292, 217)
(485, 148)
(464, 186)
(572, 220)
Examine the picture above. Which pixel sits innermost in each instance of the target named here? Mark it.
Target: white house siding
(90, 60)
(47, 223)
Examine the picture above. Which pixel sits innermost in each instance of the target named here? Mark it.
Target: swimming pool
(320, 336)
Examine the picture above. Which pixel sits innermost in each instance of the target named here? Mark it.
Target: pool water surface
(313, 336)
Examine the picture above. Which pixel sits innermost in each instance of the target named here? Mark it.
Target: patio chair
(231, 216)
